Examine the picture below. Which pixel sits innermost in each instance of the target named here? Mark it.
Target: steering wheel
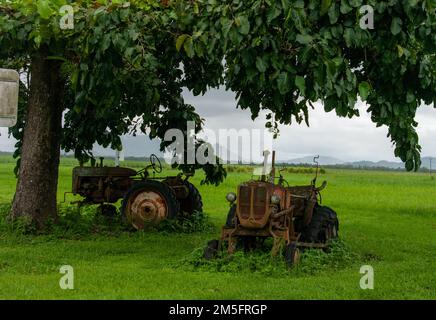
(155, 163)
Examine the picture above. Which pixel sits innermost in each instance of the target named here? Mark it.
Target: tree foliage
(122, 71)
(282, 56)
(125, 64)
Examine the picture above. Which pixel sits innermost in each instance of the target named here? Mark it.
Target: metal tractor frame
(147, 200)
(291, 215)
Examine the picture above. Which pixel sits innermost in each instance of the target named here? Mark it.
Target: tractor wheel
(331, 227)
(333, 223)
(323, 227)
(211, 249)
(231, 217)
(292, 254)
(248, 243)
(148, 203)
(193, 202)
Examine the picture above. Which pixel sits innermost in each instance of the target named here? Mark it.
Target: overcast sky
(328, 135)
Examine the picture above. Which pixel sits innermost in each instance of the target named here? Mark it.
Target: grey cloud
(328, 135)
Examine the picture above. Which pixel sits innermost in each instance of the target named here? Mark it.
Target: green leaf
(44, 10)
(396, 26)
(410, 165)
(188, 45)
(285, 5)
(356, 3)
(410, 97)
(333, 13)
(180, 41)
(330, 104)
(244, 25)
(273, 13)
(400, 50)
(300, 82)
(304, 38)
(364, 90)
(349, 36)
(196, 8)
(325, 6)
(226, 24)
(283, 83)
(260, 64)
(345, 7)
(337, 61)
(38, 40)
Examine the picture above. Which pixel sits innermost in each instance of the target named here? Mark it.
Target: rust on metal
(143, 205)
(266, 209)
(146, 208)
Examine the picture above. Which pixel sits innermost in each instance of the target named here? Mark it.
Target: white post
(9, 89)
(117, 158)
(266, 154)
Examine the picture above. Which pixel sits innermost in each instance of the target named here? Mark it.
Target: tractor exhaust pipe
(273, 168)
(272, 172)
(266, 154)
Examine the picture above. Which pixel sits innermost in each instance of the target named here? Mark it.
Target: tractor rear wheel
(148, 203)
(193, 203)
(330, 227)
(292, 254)
(323, 227)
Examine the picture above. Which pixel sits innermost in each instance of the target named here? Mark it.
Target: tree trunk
(36, 193)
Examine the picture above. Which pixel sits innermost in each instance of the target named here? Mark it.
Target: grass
(388, 220)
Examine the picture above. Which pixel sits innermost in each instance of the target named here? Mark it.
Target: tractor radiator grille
(258, 205)
(244, 202)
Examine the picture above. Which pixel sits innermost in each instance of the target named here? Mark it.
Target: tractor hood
(254, 203)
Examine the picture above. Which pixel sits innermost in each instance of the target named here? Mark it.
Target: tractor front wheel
(292, 254)
(148, 203)
(211, 250)
(231, 217)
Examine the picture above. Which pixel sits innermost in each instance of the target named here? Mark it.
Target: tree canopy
(122, 72)
(125, 64)
(282, 56)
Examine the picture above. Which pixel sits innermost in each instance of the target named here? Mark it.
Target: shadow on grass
(87, 222)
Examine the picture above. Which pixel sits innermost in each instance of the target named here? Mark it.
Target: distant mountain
(378, 164)
(323, 160)
(426, 162)
(331, 161)
(139, 147)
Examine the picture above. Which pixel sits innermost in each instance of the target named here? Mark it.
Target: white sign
(9, 88)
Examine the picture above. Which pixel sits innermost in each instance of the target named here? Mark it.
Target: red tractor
(146, 200)
(264, 208)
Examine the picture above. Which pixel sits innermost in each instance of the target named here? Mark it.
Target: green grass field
(388, 220)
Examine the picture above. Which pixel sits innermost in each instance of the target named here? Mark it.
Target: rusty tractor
(267, 208)
(147, 200)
